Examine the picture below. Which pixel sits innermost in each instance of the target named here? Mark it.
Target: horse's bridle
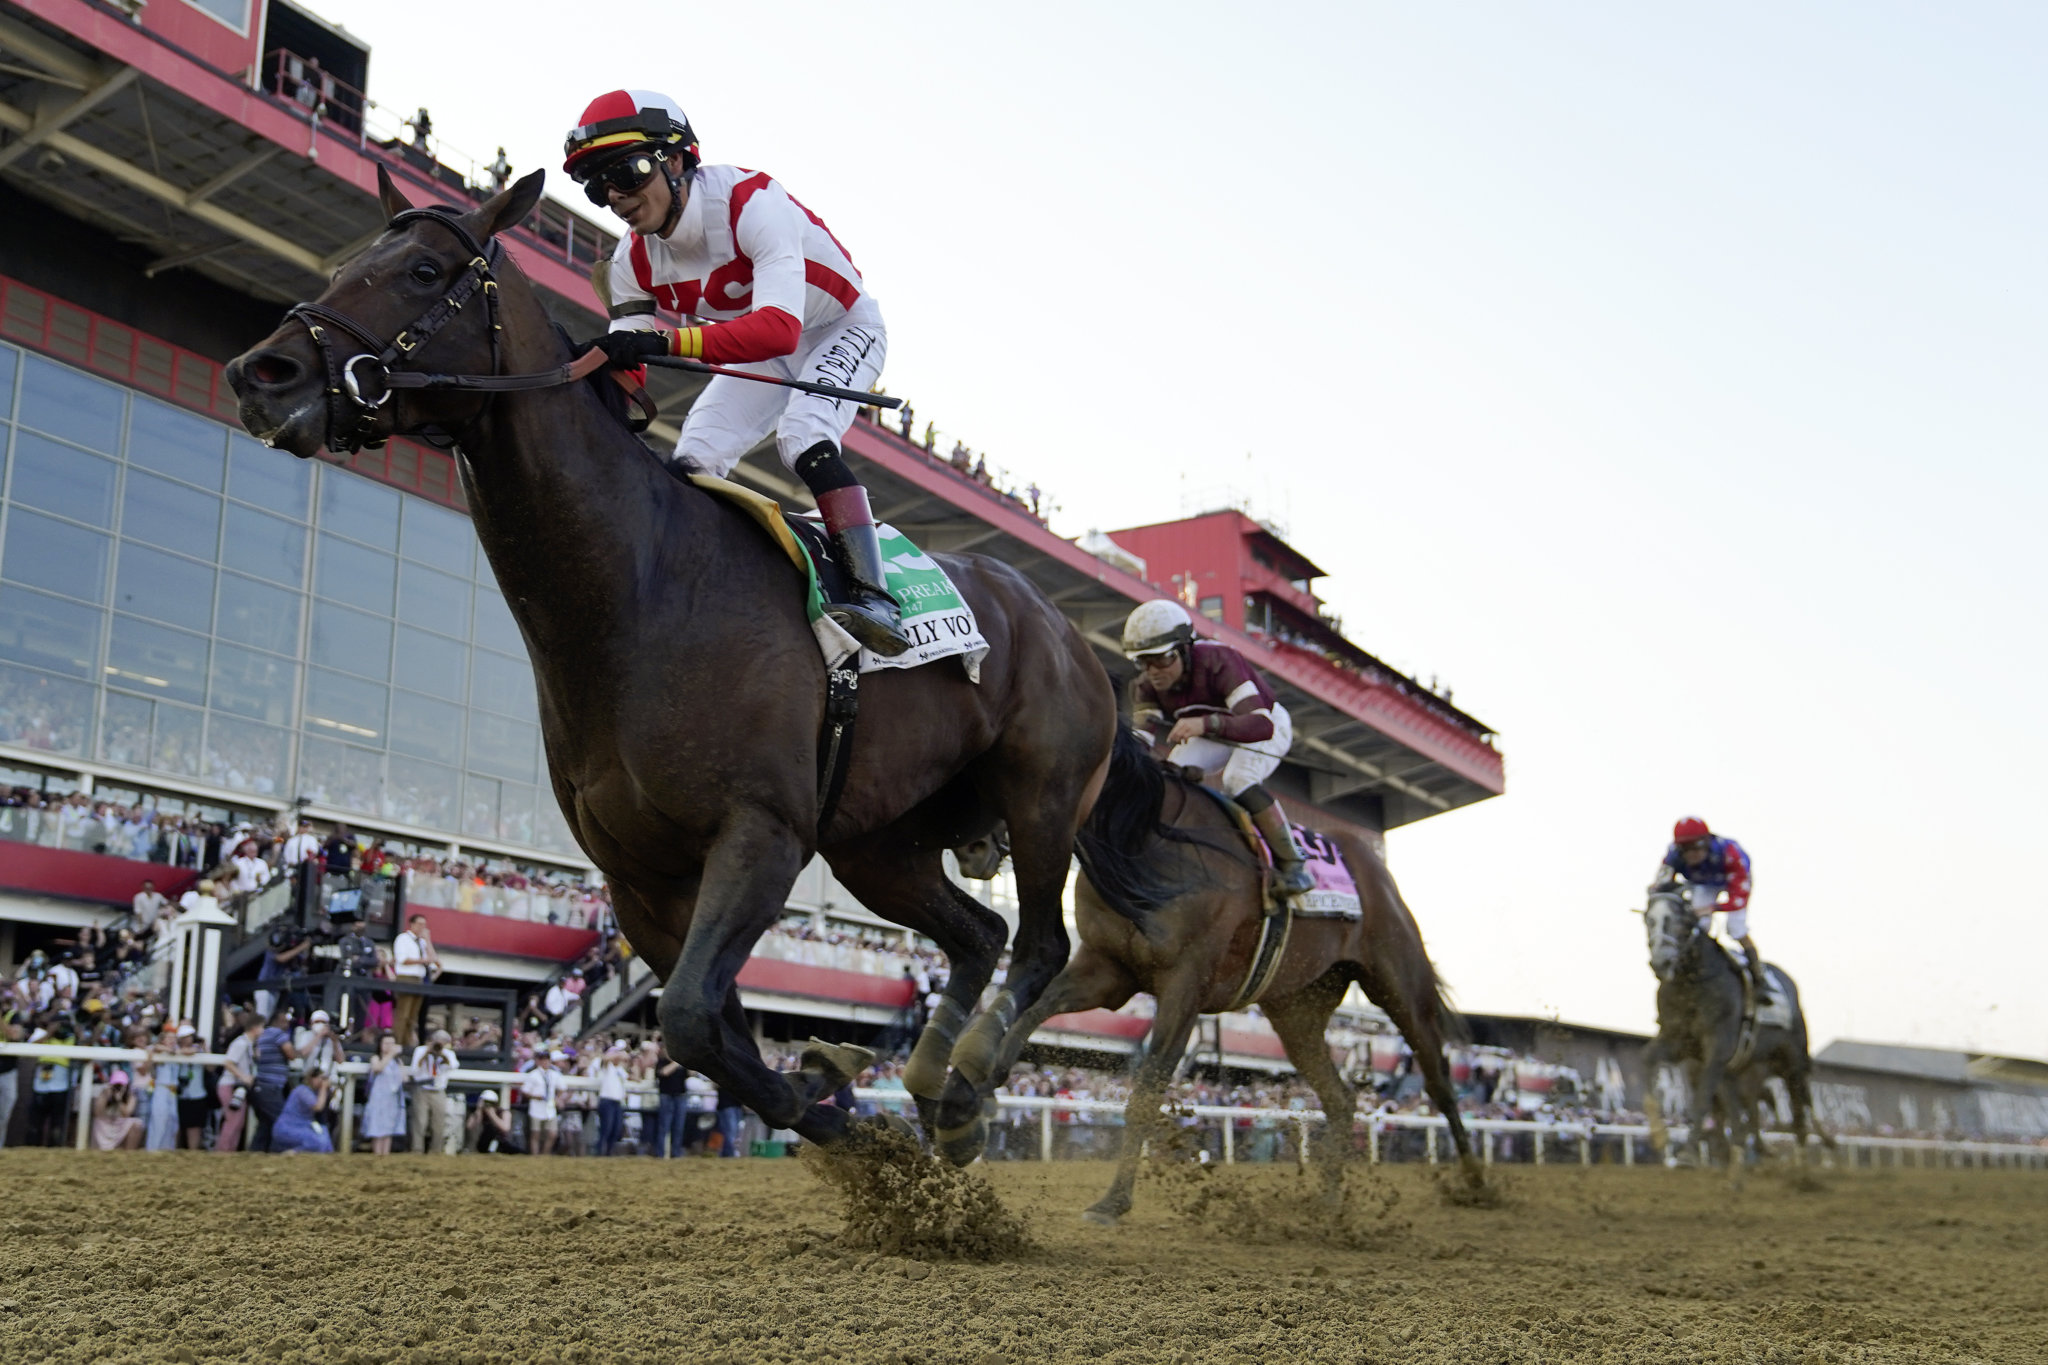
(1683, 940)
(351, 412)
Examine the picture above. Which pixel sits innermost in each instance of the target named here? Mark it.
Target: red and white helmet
(1689, 829)
(619, 120)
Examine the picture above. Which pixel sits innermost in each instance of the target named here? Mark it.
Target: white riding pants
(732, 415)
(1243, 764)
(1707, 899)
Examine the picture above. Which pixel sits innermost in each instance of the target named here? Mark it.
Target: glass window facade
(174, 598)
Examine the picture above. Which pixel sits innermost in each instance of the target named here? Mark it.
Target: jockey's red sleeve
(764, 334)
(1738, 880)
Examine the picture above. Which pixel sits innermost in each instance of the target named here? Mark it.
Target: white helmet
(1156, 627)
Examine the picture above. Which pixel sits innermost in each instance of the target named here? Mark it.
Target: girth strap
(1274, 931)
(835, 750)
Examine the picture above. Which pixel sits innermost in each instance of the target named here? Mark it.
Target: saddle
(1773, 1010)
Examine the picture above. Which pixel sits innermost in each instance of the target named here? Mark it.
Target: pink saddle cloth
(1335, 893)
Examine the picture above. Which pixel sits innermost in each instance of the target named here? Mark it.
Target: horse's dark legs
(1408, 994)
(909, 886)
(1302, 1020)
(1656, 1057)
(746, 881)
(1707, 1089)
(656, 944)
(1090, 981)
(1179, 1007)
(1041, 850)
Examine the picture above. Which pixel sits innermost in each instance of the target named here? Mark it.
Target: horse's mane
(1120, 842)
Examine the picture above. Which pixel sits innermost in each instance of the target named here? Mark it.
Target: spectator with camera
(283, 958)
(237, 1081)
(114, 1124)
(611, 1099)
(493, 1126)
(431, 1063)
(298, 1126)
(384, 1115)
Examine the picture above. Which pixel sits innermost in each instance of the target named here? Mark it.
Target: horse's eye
(426, 272)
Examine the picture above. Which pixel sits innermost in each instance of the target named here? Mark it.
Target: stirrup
(1292, 879)
(877, 627)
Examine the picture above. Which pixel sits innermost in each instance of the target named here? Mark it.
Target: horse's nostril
(273, 368)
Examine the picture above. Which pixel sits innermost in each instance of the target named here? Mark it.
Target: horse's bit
(352, 413)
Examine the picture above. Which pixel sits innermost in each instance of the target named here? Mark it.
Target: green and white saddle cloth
(936, 618)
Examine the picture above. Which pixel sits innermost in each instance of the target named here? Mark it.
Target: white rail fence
(1550, 1141)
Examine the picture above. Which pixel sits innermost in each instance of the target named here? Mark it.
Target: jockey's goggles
(1157, 659)
(626, 175)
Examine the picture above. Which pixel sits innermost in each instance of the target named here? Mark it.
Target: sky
(1666, 380)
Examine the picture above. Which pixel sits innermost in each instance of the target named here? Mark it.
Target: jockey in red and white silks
(765, 287)
(782, 298)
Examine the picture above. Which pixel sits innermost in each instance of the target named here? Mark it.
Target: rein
(352, 413)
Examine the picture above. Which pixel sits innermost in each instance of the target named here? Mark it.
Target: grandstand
(229, 640)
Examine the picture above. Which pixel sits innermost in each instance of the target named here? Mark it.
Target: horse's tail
(1456, 1029)
(1124, 828)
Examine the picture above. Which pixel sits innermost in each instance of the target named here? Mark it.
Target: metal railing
(1569, 1139)
(341, 111)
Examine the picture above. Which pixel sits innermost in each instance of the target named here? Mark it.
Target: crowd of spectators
(967, 463)
(76, 821)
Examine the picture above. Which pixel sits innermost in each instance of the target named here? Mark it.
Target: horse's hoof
(1101, 1217)
(962, 1145)
(837, 1062)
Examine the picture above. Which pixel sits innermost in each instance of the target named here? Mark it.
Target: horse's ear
(388, 195)
(510, 206)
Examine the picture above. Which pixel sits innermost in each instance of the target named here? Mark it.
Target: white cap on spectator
(558, 1056)
(322, 1017)
(491, 1097)
(187, 1031)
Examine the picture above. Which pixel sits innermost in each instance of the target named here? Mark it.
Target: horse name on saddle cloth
(936, 618)
(1334, 894)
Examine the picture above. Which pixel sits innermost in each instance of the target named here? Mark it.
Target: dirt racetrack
(186, 1256)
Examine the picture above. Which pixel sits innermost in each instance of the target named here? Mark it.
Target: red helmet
(622, 119)
(1689, 829)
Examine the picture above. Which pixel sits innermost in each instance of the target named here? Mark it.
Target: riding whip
(866, 400)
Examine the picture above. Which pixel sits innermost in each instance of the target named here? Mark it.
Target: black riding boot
(872, 616)
(1290, 876)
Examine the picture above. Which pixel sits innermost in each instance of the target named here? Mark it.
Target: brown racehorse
(681, 689)
(1190, 944)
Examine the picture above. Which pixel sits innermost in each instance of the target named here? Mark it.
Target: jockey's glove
(629, 350)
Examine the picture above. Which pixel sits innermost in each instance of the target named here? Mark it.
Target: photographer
(494, 1127)
(283, 958)
(431, 1063)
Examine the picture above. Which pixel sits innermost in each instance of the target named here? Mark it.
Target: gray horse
(1699, 1026)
